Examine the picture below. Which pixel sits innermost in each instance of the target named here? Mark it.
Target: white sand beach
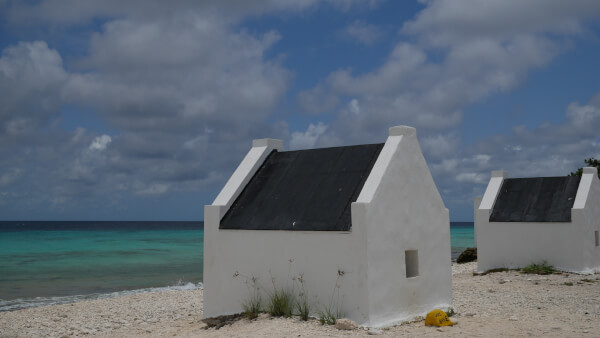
(497, 304)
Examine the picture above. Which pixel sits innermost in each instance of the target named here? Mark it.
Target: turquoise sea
(61, 262)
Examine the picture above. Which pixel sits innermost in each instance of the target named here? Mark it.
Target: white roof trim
(491, 193)
(584, 187)
(245, 171)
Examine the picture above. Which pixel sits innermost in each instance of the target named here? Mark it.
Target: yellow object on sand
(438, 318)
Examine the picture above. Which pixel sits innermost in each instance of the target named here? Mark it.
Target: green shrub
(540, 269)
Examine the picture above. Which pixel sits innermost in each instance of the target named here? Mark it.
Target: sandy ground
(497, 304)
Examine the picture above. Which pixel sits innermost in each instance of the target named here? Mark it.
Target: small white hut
(521, 221)
(366, 218)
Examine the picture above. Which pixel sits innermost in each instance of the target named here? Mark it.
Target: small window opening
(597, 237)
(411, 258)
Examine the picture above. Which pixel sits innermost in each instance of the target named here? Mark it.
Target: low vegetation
(330, 313)
(290, 300)
(327, 316)
(252, 307)
(281, 302)
(539, 269)
(253, 304)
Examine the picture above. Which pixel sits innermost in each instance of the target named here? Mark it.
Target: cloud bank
(181, 88)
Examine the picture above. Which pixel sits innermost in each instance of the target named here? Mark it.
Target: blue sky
(141, 110)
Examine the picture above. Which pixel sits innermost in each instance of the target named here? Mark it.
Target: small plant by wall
(282, 299)
(281, 302)
(253, 304)
(331, 312)
(302, 305)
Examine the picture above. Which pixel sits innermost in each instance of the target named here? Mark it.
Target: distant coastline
(99, 225)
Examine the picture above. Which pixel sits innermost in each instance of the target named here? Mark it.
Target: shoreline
(28, 303)
(501, 303)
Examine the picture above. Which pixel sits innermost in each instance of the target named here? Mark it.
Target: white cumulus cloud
(307, 139)
(363, 32)
(478, 178)
(100, 143)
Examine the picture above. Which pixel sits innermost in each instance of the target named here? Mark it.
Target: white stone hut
(369, 212)
(521, 221)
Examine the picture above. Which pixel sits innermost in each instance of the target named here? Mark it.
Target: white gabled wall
(568, 246)
(587, 213)
(404, 211)
(485, 250)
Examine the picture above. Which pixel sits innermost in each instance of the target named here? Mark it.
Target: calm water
(462, 236)
(51, 262)
(61, 262)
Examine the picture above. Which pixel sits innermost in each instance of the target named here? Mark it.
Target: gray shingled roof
(303, 190)
(538, 199)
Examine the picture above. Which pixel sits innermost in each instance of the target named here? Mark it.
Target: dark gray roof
(539, 199)
(303, 190)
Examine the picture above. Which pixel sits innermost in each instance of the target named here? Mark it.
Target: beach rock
(375, 332)
(345, 324)
(220, 321)
(469, 255)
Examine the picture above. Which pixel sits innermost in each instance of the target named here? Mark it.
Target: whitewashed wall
(265, 254)
(404, 211)
(568, 246)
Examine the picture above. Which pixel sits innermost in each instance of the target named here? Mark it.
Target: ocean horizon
(57, 262)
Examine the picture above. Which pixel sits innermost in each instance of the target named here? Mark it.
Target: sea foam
(24, 303)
